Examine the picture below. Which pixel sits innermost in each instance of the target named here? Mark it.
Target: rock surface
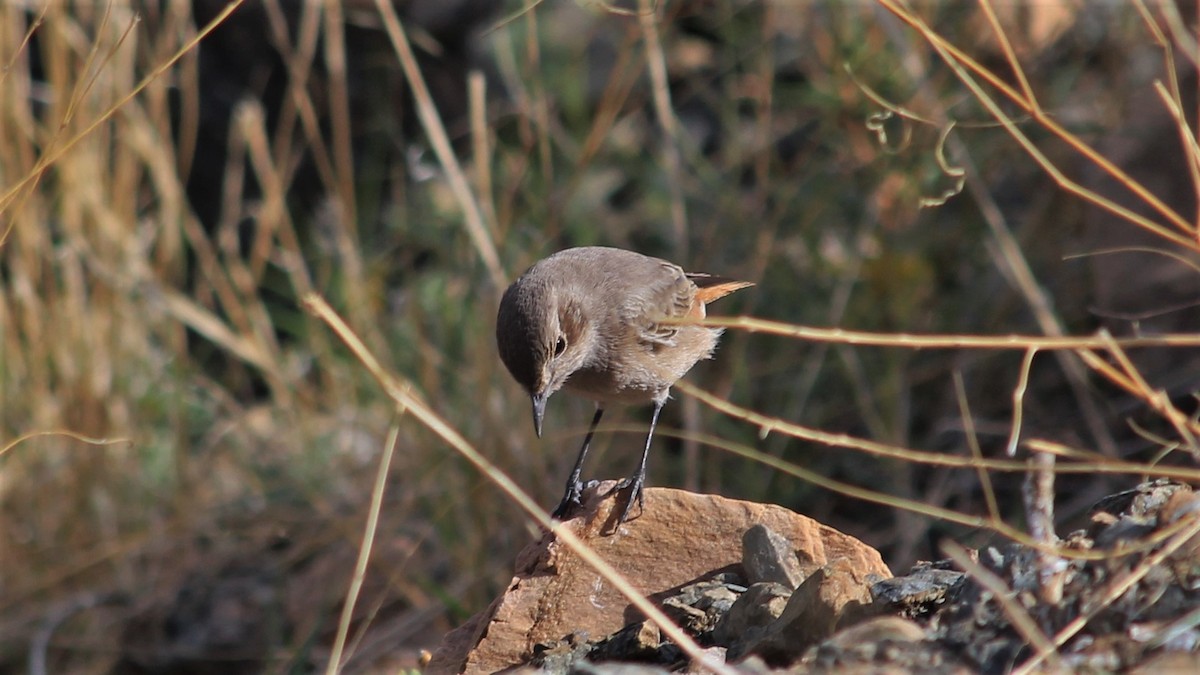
(679, 539)
(1138, 578)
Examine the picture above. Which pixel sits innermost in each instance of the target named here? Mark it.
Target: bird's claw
(572, 499)
(634, 484)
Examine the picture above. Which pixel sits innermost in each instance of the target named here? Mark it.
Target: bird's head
(543, 337)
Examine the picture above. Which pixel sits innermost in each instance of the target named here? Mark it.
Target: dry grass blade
(1018, 399)
(436, 132)
(49, 158)
(648, 20)
(408, 402)
(968, 422)
(364, 550)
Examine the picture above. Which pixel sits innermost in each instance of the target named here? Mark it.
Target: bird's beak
(539, 410)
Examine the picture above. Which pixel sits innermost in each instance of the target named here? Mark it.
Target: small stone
(878, 630)
(1127, 530)
(1143, 500)
(769, 556)
(834, 596)
(636, 642)
(699, 607)
(560, 656)
(914, 595)
(587, 668)
(760, 605)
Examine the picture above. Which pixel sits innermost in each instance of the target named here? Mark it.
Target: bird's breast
(629, 371)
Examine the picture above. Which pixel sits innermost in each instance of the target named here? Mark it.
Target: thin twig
(945, 341)
(968, 420)
(1018, 399)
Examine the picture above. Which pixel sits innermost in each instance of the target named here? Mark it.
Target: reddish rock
(680, 538)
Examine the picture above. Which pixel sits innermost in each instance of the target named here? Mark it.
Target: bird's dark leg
(574, 485)
(638, 479)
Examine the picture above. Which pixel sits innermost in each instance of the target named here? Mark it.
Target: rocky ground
(767, 590)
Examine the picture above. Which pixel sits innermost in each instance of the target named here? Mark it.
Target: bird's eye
(560, 346)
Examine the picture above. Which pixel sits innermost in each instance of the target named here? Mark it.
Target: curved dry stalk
(921, 508)
(61, 432)
(1084, 461)
(995, 525)
(1177, 257)
(961, 63)
(1018, 399)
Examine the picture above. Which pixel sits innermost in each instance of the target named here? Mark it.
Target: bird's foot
(634, 485)
(571, 499)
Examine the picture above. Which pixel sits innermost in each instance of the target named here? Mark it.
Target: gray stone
(760, 605)
(769, 556)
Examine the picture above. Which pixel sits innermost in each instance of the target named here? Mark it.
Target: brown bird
(603, 323)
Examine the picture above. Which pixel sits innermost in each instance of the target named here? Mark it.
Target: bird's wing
(669, 294)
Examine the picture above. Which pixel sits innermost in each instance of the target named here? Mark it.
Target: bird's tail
(710, 288)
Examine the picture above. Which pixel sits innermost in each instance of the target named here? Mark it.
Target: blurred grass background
(210, 493)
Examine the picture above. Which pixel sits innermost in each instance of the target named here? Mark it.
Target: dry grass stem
(370, 529)
(968, 422)
(1088, 461)
(436, 132)
(960, 62)
(931, 341)
(657, 65)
